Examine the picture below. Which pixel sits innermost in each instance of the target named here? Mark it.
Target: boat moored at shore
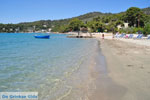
(42, 36)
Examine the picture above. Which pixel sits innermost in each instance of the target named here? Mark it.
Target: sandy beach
(128, 71)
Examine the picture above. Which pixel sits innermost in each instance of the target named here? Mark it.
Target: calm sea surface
(56, 68)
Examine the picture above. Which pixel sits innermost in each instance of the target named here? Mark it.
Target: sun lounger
(130, 36)
(139, 36)
(148, 37)
(117, 35)
(122, 35)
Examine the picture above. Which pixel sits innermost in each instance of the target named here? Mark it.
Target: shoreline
(106, 87)
(128, 70)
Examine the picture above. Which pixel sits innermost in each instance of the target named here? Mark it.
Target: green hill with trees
(138, 19)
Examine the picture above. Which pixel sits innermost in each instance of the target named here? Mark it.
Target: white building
(49, 29)
(126, 25)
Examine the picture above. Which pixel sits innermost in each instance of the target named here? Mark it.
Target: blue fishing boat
(42, 36)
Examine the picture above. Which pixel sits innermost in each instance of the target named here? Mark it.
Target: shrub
(147, 28)
(132, 30)
(127, 30)
(138, 29)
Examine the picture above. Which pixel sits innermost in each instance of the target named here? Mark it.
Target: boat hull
(43, 37)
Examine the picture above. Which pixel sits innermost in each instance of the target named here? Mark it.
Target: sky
(15, 11)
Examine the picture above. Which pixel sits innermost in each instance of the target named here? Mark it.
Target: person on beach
(102, 36)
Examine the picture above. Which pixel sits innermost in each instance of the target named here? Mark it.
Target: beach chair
(126, 37)
(148, 38)
(122, 35)
(141, 35)
(138, 36)
(130, 36)
(117, 35)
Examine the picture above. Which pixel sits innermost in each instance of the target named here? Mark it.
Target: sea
(57, 68)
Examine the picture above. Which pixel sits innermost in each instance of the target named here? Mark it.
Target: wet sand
(106, 88)
(92, 80)
(128, 72)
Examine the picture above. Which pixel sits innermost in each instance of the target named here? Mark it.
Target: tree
(111, 27)
(91, 26)
(75, 24)
(119, 22)
(147, 28)
(134, 16)
(63, 29)
(99, 26)
(96, 25)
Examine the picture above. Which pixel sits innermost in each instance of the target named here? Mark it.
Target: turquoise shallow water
(47, 66)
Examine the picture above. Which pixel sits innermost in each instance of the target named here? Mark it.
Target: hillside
(84, 18)
(46, 24)
(146, 10)
(51, 23)
(90, 16)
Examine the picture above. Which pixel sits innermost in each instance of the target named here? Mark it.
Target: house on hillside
(49, 30)
(125, 25)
